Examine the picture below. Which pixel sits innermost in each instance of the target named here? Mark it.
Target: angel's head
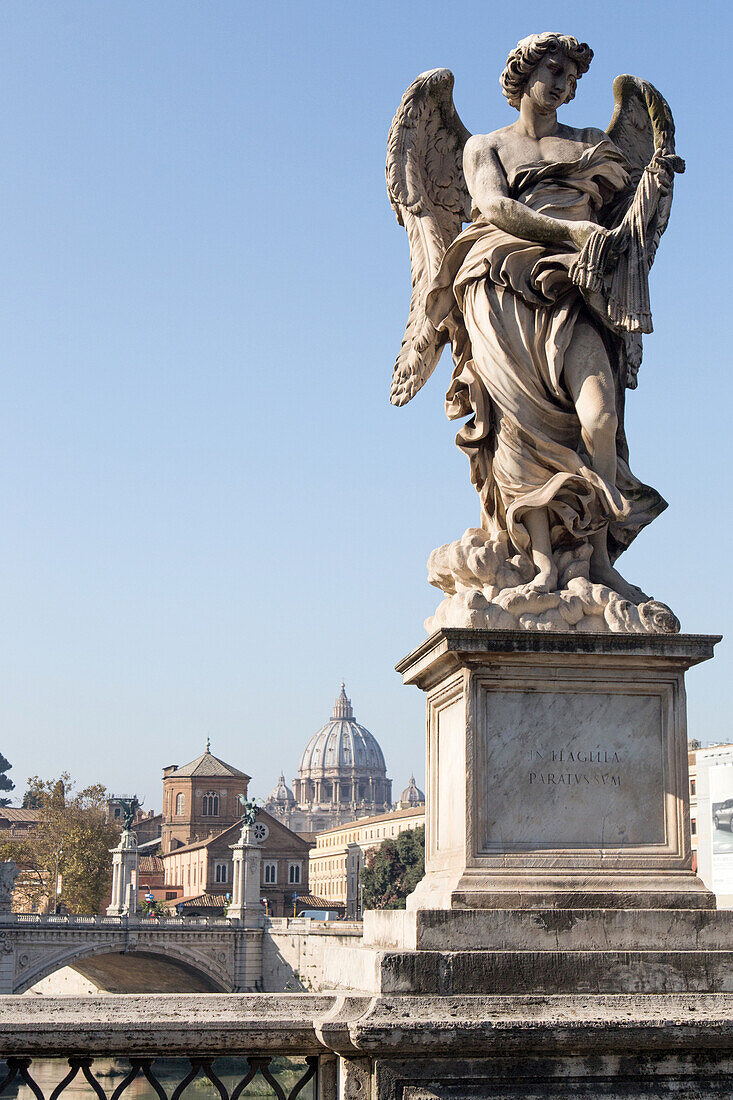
(547, 66)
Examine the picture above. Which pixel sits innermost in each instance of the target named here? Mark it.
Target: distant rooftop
(18, 813)
(207, 764)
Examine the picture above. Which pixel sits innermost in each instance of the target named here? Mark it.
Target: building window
(692, 786)
(117, 811)
(180, 805)
(693, 826)
(294, 874)
(270, 872)
(211, 804)
(222, 872)
(170, 895)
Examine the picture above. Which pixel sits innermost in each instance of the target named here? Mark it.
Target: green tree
(393, 870)
(71, 835)
(5, 783)
(33, 795)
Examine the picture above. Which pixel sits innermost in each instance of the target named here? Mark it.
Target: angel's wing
(642, 125)
(428, 193)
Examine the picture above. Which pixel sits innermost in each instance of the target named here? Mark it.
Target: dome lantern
(342, 708)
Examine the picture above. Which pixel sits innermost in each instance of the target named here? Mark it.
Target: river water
(48, 1072)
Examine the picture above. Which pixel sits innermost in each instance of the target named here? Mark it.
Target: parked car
(723, 814)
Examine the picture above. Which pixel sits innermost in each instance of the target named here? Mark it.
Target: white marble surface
(544, 298)
(556, 771)
(568, 768)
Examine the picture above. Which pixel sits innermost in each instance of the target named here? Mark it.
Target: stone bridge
(131, 955)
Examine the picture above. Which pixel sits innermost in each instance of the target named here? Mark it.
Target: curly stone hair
(527, 54)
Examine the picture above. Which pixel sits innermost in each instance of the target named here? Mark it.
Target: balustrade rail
(160, 1046)
(76, 921)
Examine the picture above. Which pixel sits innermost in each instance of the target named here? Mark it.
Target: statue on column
(544, 298)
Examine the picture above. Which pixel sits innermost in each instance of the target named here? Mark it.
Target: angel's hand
(664, 165)
(580, 232)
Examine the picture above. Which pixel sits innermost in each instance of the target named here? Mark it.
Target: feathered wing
(642, 125)
(612, 271)
(428, 193)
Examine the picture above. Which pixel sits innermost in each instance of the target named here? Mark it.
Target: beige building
(693, 748)
(340, 852)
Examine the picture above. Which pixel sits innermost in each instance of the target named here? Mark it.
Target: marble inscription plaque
(575, 769)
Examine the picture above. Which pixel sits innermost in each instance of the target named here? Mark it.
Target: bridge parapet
(124, 954)
(83, 921)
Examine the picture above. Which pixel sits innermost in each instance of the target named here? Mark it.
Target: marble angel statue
(544, 298)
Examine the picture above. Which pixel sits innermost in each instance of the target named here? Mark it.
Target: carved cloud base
(487, 589)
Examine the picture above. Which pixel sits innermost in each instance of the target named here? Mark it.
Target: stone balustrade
(375, 1047)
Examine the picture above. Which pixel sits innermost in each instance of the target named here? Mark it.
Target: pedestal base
(556, 770)
(558, 854)
(546, 951)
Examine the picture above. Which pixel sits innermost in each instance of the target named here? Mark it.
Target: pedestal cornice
(450, 649)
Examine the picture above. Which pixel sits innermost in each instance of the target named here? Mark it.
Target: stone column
(124, 877)
(353, 876)
(246, 905)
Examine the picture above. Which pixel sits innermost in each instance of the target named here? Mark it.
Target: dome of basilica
(342, 774)
(281, 795)
(342, 745)
(411, 796)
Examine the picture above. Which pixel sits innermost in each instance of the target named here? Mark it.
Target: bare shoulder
(480, 147)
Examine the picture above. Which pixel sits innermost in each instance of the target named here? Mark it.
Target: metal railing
(288, 1078)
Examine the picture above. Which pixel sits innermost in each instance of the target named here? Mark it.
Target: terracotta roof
(201, 901)
(204, 843)
(18, 813)
(151, 865)
(207, 764)
(312, 901)
(235, 829)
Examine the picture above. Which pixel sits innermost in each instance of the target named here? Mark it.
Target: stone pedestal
(556, 770)
(246, 905)
(124, 877)
(558, 854)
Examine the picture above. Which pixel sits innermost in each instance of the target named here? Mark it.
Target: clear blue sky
(210, 512)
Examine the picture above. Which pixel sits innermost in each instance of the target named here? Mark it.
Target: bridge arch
(150, 968)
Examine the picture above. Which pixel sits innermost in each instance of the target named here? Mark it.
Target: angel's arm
(487, 185)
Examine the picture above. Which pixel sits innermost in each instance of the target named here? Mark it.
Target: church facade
(200, 798)
(201, 821)
(342, 776)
